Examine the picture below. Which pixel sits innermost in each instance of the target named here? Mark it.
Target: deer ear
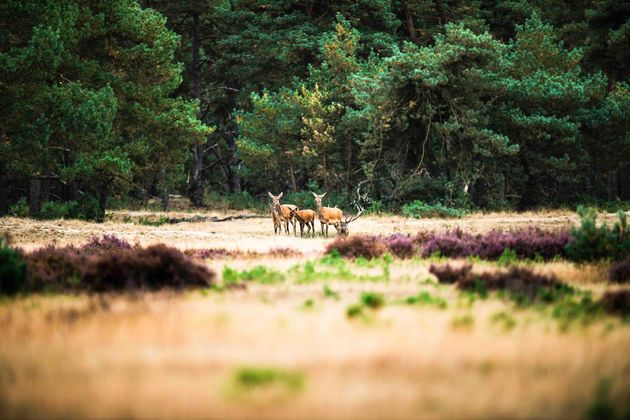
(281, 194)
(270, 195)
(324, 194)
(314, 195)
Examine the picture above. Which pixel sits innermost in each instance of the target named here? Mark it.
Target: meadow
(286, 330)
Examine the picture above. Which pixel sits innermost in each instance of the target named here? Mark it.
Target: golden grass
(164, 355)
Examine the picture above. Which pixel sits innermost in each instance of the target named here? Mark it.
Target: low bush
(620, 271)
(261, 377)
(104, 244)
(60, 210)
(20, 208)
(451, 275)
(617, 302)
(357, 246)
(372, 300)
(55, 268)
(425, 298)
(401, 246)
(419, 209)
(151, 268)
(591, 241)
(12, 271)
(531, 243)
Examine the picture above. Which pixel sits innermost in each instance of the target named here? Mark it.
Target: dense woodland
(468, 104)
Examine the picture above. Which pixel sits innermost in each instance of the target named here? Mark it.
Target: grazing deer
(305, 217)
(343, 228)
(327, 215)
(283, 211)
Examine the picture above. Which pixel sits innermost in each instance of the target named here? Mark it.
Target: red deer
(283, 212)
(327, 215)
(305, 217)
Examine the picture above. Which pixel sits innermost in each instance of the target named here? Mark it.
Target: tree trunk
(292, 177)
(165, 197)
(102, 202)
(195, 180)
(613, 185)
(234, 179)
(34, 203)
(411, 29)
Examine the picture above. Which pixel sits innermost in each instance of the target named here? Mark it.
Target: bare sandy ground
(165, 355)
(256, 234)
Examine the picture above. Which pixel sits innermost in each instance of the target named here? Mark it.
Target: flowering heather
(620, 272)
(358, 246)
(526, 243)
(211, 253)
(107, 243)
(153, 268)
(400, 246)
(53, 268)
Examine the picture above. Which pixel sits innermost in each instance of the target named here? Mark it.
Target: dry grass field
(289, 349)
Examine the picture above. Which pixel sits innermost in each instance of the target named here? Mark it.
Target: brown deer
(327, 215)
(283, 212)
(343, 228)
(305, 217)
(275, 216)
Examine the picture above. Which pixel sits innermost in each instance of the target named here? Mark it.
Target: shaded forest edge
(422, 106)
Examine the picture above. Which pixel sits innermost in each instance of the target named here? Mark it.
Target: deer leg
(322, 226)
(327, 230)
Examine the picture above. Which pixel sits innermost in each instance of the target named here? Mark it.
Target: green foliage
(12, 271)
(420, 209)
(507, 257)
(330, 293)
(503, 320)
(577, 310)
(20, 208)
(593, 242)
(425, 299)
(372, 300)
(259, 273)
(250, 378)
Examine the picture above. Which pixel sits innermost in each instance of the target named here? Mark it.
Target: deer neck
(320, 212)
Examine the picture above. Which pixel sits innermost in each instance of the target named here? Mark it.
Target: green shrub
(250, 378)
(354, 310)
(60, 210)
(260, 273)
(20, 208)
(425, 298)
(372, 300)
(420, 209)
(591, 241)
(12, 271)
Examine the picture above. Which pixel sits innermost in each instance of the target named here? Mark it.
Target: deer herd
(285, 214)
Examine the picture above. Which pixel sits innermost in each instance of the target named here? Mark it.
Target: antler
(360, 209)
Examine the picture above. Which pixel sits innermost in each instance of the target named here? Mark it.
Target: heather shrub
(532, 243)
(591, 241)
(209, 253)
(521, 283)
(400, 246)
(617, 302)
(620, 272)
(54, 269)
(150, 268)
(450, 275)
(12, 271)
(107, 243)
(357, 246)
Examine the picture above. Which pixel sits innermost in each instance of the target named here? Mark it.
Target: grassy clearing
(311, 336)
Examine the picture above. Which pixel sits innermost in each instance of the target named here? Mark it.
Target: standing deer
(343, 229)
(275, 216)
(305, 217)
(283, 212)
(327, 215)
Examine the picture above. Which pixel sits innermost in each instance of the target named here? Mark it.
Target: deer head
(343, 227)
(318, 198)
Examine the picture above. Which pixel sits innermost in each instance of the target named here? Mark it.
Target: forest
(481, 104)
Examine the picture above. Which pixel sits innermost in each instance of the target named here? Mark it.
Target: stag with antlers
(282, 213)
(343, 227)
